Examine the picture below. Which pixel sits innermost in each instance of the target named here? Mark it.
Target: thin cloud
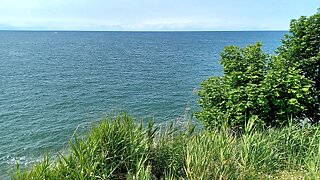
(152, 15)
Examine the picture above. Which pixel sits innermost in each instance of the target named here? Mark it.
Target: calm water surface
(50, 82)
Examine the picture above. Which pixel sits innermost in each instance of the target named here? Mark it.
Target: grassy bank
(118, 148)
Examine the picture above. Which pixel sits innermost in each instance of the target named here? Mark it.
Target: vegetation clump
(118, 148)
(301, 48)
(271, 89)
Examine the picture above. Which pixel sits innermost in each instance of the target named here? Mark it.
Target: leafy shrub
(270, 89)
(302, 47)
(254, 86)
(286, 91)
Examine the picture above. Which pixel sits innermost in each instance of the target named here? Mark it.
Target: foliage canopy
(302, 47)
(270, 89)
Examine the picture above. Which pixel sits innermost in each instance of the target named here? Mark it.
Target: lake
(53, 82)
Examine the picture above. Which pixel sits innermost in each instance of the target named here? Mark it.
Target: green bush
(270, 89)
(254, 85)
(286, 92)
(302, 47)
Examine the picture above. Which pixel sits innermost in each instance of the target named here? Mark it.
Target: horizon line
(53, 30)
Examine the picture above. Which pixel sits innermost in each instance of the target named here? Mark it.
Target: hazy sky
(152, 14)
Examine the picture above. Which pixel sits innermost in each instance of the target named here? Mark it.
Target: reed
(119, 148)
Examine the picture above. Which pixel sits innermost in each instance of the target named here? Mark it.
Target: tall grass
(119, 148)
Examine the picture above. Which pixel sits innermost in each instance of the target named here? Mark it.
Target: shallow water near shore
(53, 82)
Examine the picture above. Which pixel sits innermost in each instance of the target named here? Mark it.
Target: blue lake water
(51, 82)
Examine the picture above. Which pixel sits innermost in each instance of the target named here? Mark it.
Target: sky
(152, 15)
